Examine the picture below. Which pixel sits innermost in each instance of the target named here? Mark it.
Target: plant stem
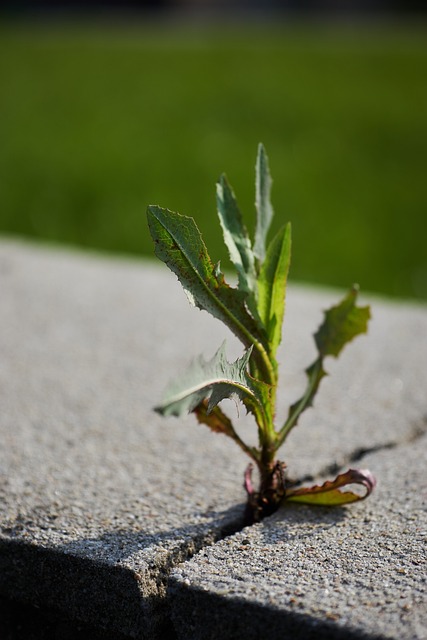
(266, 369)
(272, 490)
(315, 373)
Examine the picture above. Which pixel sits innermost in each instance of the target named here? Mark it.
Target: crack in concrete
(191, 548)
(186, 551)
(158, 619)
(418, 431)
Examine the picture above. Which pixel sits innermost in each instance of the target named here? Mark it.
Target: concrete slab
(100, 497)
(350, 573)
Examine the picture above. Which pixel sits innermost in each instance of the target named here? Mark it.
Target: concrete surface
(99, 497)
(356, 572)
(98, 494)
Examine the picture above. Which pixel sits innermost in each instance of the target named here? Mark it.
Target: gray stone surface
(99, 496)
(306, 572)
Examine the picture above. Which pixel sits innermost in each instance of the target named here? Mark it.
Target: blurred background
(106, 107)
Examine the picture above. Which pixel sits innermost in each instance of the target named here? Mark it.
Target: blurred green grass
(98, 122)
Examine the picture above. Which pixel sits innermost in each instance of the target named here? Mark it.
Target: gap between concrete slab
(25, 622)
(418, 430)
(297, 625)
(318, 574)
(97, 310)
(53, 569)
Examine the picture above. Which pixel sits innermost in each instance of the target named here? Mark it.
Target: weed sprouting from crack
(254, 312)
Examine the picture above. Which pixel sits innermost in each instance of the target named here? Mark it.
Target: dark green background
(96, 122)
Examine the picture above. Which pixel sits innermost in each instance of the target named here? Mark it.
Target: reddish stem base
(272, 490)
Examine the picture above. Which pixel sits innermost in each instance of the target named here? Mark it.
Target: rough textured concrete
(99, 496)
(355, 572)
(306, 572)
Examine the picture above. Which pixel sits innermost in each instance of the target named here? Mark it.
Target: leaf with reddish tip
(329, 494)
(218, 422)
(215, 419)
(247, 483)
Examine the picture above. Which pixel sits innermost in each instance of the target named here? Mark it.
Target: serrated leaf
(272, 286)
(236, 238)
(329, 494)
(213, 381)
(341, 324)
(179, 244)
(263, 204)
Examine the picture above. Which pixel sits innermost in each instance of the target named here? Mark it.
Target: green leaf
(213, 381)
(329, 494)
(263, 204)
(341, 324)
(179, 244)
(272, 286)
(236, 237)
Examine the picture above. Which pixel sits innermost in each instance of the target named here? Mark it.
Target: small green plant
(254, 311)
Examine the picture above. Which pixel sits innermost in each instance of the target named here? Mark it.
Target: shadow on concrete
(94, 588)
(88, 581)
(21, 621)
(203, 615)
